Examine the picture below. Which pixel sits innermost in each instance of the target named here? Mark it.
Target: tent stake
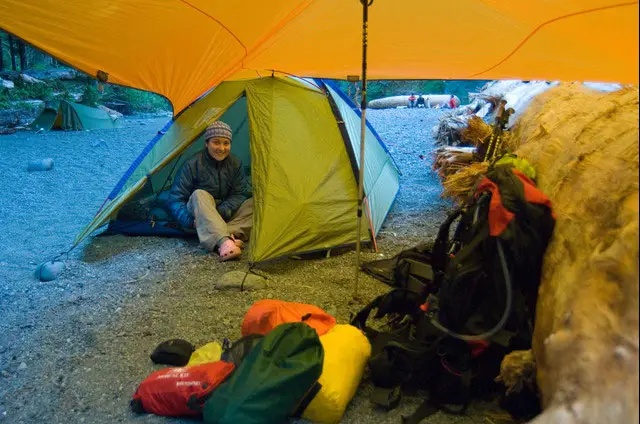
(363, 128)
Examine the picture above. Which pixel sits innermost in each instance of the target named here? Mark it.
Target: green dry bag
(276, 380)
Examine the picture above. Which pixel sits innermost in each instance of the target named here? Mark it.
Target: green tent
(297, 140)
(73, 116)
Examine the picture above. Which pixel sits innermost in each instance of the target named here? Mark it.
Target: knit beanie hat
(218, 129)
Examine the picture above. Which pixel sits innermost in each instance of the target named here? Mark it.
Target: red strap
(499, 216)
(478, 346)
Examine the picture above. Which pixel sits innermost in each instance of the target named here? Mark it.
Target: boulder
(112, 113)
(30, 80)
(53, 74)
(6, 84)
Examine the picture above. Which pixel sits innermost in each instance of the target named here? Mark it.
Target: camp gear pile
(462, 303)
(292, 361)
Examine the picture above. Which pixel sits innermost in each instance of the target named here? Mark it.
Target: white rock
(40, 165)
(6, 84)
(22, 366)
(48, 271)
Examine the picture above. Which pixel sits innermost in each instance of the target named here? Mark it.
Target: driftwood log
(585, 342)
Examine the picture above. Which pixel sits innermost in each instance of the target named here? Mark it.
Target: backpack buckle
(430, 306)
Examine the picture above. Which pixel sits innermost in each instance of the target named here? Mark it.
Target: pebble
(22, 366)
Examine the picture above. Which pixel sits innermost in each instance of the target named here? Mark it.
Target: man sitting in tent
(210, 194)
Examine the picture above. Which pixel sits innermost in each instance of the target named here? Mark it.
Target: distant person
(412, 100)
(210, 194)
(452, 102)
(420, 101)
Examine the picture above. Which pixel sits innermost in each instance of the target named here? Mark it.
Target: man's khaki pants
(210, 225)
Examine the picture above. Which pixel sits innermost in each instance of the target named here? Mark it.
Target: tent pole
(363, 129)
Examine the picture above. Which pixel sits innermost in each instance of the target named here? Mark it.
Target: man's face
(218, 147)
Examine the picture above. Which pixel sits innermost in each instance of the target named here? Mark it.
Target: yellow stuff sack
(346, 352)
(211, 352)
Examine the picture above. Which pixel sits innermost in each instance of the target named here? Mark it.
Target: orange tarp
(182, 48)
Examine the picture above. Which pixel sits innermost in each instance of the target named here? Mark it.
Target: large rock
(20, 113)
(30, 80)
(6, 83)
(53, 74)
(239, 280)
(584, 145)
(114, 114)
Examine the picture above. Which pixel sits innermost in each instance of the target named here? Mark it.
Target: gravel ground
(74, 350)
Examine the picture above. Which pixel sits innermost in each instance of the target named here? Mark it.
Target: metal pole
(363, 129)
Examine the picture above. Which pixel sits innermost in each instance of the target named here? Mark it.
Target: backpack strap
(439, 256)
(433, 404)
(400, 301)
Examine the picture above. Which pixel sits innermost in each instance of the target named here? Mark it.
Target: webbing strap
(439, 258)
(431, 404)
(306, 399)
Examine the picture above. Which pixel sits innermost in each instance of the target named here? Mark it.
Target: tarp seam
(282, 24)
(539, 27)
(219, 23)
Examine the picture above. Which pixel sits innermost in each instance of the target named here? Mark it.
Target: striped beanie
(218, 129)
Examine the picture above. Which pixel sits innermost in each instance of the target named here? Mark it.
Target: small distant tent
(298, 140)
(65, 115)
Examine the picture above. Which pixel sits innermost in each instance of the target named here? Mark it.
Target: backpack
(449, 333)
(277, 379)
(177, 392)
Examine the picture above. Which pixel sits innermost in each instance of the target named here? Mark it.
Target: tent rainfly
(296, 139)
(73, 116)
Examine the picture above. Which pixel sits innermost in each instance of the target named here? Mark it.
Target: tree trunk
(22, 52)
(12, 52)
(1, 51)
